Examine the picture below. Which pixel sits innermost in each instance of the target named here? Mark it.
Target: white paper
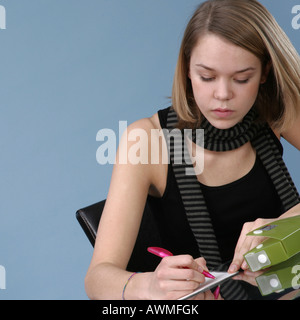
(210, 283)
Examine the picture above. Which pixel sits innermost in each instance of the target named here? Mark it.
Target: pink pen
(217, 292)
(160, 252)
(165, 253)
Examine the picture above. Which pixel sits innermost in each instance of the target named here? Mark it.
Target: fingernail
(244, 265)
(208, 275)
(217, 292)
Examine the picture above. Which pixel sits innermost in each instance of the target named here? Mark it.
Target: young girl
(237, 77)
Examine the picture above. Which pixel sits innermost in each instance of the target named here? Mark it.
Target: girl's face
(225, 80)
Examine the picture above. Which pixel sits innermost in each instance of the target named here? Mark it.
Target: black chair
(140, 260)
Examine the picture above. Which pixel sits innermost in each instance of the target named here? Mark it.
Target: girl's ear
(266, 72)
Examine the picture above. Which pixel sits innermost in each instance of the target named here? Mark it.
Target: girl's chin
(222, 124)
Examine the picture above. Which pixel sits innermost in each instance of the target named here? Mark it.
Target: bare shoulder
(145, 148)
(292, 135)
(146, 124)
(277, 133)
(141, 140)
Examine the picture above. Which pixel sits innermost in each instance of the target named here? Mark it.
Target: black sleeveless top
(230, 206)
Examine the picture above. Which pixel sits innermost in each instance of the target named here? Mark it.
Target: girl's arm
(119, 224)
(117, 234)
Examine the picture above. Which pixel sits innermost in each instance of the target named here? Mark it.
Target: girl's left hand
(246, 243)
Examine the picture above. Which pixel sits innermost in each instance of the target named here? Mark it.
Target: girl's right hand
(176, 276)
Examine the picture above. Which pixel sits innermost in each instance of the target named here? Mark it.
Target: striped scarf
(191, 193)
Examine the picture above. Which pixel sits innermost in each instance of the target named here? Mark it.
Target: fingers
(207, 295)
(177, 276)
(201, 262)
(183, 267)
(246, 243)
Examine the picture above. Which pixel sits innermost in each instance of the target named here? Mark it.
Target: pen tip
(208, 275)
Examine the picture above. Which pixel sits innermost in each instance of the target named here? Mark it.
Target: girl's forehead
(215, 52)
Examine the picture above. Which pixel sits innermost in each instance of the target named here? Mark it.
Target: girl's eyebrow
(239, 71)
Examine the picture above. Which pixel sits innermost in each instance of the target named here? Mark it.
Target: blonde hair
(247, 24)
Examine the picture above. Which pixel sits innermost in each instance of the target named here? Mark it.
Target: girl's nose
(223, 91)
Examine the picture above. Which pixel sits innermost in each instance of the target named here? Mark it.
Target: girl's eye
(242, 81)
(207, 79)
(210, 79)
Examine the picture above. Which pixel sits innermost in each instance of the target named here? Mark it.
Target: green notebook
(284, 275)
(283, 243)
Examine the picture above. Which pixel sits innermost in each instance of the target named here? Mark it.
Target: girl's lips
(223, 113)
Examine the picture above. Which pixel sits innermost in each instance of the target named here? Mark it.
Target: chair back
(148, 236)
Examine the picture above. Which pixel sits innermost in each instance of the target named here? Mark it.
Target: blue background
(68, 69)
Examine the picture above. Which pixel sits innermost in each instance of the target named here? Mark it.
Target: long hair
(249, 25)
